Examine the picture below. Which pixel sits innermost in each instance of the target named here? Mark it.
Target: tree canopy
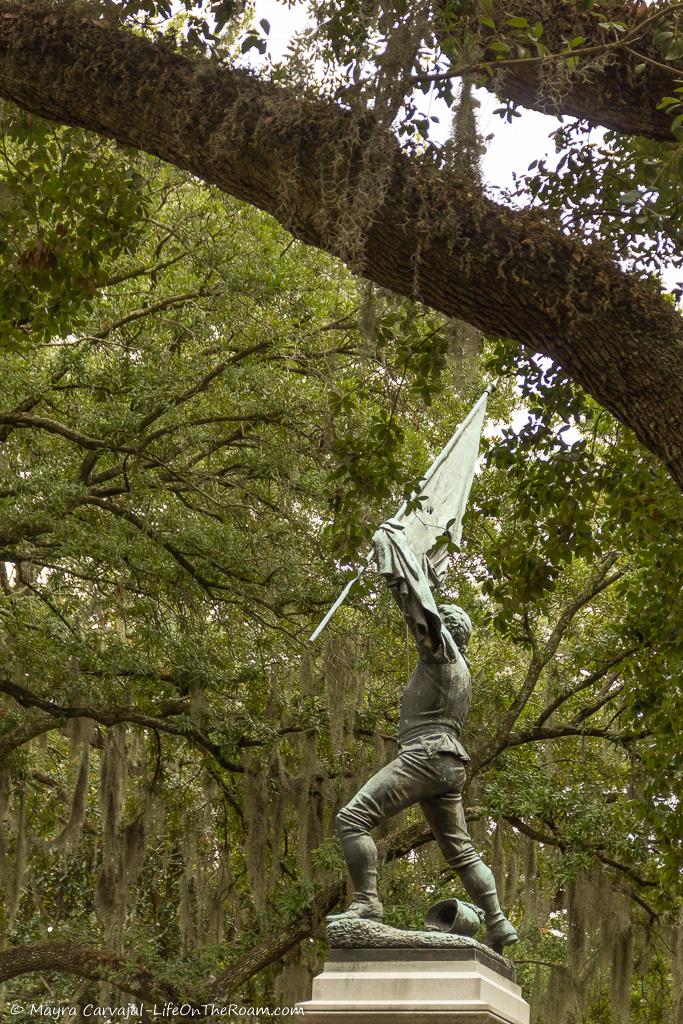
(320, 151)
(204, 420)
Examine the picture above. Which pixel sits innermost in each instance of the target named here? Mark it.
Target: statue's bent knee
(351, 821)
(464, 858)
(343, 823)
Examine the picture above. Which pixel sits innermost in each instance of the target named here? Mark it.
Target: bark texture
(309, 164)
(63, 957)
(605, 89)
(83, 962)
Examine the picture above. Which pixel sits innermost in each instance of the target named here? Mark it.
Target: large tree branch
(25, 732)
(310, 164)
(28, 421)
(571, 729)
(96, 963)
(396, 845)
(84, 962)
(602, 86)
(99, 962)
(607, 93)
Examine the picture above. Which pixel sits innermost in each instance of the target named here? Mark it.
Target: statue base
(418, 976)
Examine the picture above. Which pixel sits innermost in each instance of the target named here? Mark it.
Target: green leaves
(71, 202)
(616, 192)
(253, 41)
(205, 21)
(517, 22)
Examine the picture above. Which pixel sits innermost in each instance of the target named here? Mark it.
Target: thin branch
(130, 517)
(129, 275)
(139, 314)
(28, 421)
(583, 684)
(539, 661)
(116, 716)
(676, 72)
(592, 709)
(48, 604)
(569, 729)
(185, 396)
(552, 840)
(180, 399)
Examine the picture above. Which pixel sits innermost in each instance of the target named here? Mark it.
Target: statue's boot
(500, 935)
(481, 887)
(360, 854)
(371, 910)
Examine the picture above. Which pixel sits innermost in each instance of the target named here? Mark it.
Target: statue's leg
(398, 785)
(446, 817)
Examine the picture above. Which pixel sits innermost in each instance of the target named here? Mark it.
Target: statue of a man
(430, 766)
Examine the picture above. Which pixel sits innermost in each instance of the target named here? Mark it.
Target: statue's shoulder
(451, 651)
(459, 667)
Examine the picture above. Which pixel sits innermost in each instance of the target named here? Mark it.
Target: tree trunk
(315, 167)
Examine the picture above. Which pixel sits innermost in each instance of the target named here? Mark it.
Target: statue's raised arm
(408, 581)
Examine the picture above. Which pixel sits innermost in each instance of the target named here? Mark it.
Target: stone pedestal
(463, 983)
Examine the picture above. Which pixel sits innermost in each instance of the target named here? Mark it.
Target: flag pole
(438, 461)
(340, 600)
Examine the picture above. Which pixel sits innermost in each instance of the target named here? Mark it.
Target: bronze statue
(430, 766)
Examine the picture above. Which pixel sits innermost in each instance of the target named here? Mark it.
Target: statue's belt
(434, 742)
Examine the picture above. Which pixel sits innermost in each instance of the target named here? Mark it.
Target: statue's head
(458, 624)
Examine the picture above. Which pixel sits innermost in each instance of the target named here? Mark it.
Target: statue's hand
(391, 525)
(381, 546)
(379, 536)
